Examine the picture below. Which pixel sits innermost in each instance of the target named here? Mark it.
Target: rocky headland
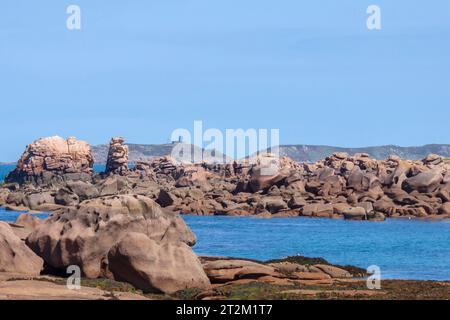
(125, 225)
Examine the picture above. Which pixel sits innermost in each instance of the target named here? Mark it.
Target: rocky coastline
(54, 173)
(124, 224)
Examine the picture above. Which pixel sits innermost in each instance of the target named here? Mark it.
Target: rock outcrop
(352, 187)
(52, 160)
(222, 271)
(84, 235)
(15, 256)
(156, 267)
(117, 162)
(288, 271)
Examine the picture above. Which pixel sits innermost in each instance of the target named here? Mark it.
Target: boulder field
(54, 173)
(124, 224)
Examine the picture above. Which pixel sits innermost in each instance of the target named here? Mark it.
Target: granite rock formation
(154, 266)
(340, 186)
(117, 162)
(15, 256)
(83, 235)
(52, 160)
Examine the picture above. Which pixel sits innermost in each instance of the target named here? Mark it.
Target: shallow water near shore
(4, 170)
(11, 216)
(403, 249)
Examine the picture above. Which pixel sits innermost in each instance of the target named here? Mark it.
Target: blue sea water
(11, 216)
(4, 170)
(403, 249)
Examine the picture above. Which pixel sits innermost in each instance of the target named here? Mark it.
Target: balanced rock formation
(84, 235)
(15, 256)
(117, 162)
(53, 159)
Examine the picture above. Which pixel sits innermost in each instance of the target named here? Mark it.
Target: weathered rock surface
(220, 271)
(66, 197)
(355, 213)
(18, 287)
(84, 235)
(50, 160)
(156, 267)
(117, 162)
(28, 221)
(15, 256)
(445, 209)
(333, 271)
(338, 186)
(25, 224)
(84, 190)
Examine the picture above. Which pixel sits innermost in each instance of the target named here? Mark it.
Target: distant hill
(311, 153)
(301, 153)
(136, 151)
(139, 152)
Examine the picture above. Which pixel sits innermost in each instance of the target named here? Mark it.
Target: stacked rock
(117, 162)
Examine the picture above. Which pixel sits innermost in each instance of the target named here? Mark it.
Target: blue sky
(142, 68)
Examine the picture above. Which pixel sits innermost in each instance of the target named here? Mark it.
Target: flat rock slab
(342, 293)
(44, 290)
(333, 271)
(221, 271)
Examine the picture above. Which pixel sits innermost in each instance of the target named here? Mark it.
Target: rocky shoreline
(54, 173)
(124, 224)
(292, 278)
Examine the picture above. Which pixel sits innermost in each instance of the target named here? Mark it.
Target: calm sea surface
(403, 249)
(4, 170)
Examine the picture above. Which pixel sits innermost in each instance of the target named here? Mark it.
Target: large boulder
(156, 267)
(4, 193)
(433, 159)
(37, 199)
(66, 197)
(16, 198)
(25, 224)
(112, 185)
(15, 256)
(50, 160)
(360, 181)
(445, 208)
(192, 175)
(220, 271)
(355, 213)
(274, 204)
(83, 235)
(29, 221)
(425, 182)
(166, 198)
(264, 177)
(84, 190)
(320, 210)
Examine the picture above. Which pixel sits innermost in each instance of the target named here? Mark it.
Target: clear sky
(142, 68)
